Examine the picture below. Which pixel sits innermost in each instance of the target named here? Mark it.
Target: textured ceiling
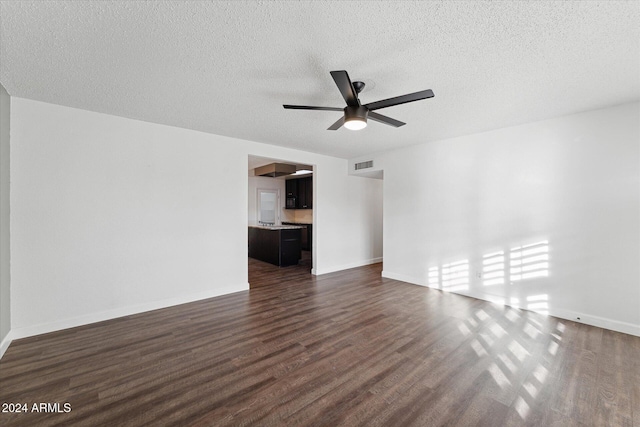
(227, 67)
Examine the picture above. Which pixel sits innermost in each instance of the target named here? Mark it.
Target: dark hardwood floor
(265, 274)
(342, 349)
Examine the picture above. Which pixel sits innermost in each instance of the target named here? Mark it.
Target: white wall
(5, 258)
(572, 181)
(352, 216)
(367, 202)
(112, 216)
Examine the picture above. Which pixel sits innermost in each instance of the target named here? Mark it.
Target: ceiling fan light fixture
(355, 118)
(355, 124)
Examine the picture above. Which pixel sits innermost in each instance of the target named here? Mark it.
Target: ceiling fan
(355, 114)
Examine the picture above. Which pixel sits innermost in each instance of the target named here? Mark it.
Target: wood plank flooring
(342, 349)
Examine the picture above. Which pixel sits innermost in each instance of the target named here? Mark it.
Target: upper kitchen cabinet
(299, 193)
(305, 193)
(308, 184)
(292, 188)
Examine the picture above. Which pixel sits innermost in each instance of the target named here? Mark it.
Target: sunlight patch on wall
(455, 276)
(529, 261)
(493, 269)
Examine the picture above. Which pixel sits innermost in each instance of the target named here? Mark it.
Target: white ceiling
(227, 67)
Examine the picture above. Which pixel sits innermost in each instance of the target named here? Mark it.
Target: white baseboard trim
(587, 319)
(43, 328)
(601, 322)
(318, 272)
(4, 345)
(401, 278)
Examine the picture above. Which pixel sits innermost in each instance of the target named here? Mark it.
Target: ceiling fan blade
(384, 119)
(306, 107)
(416, 96)
(337, 125)
(346, 88)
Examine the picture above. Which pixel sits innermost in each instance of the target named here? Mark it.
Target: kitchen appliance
(291, 202)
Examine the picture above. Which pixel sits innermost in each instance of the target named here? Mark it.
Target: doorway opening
(280, 220)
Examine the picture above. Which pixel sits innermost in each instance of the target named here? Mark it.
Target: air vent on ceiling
(364, 165)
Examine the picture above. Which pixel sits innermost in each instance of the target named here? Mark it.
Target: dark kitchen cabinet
(302, 190)
(292, 187)
(305, 193)
(305, 235)
(275, 245)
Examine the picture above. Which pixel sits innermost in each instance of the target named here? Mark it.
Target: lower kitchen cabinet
(275, 245)
(305, 238)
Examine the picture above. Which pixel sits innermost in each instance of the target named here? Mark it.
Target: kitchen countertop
(277, 227)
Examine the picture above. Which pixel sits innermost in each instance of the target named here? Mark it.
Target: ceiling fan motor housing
(356, 113)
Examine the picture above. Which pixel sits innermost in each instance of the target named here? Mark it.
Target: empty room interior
(320, 213)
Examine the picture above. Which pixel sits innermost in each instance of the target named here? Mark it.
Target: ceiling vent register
(364, 165)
